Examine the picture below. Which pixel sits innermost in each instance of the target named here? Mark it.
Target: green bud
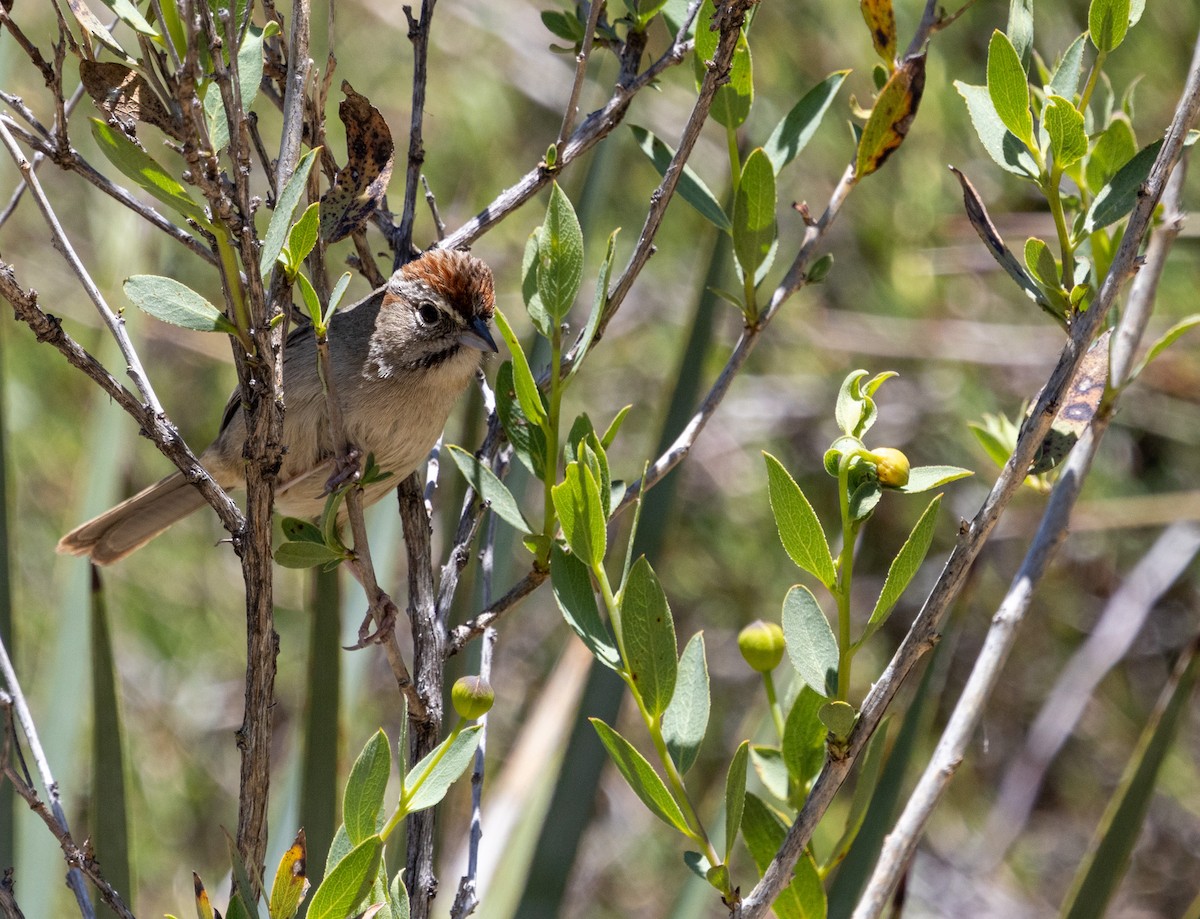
(891, 466)
(472, 697)
(761, 644)
(820, 268)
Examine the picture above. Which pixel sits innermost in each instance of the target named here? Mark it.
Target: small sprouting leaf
(528, 395)
(335, 297)
(1108, 21)
(362, 800)
(903, 568)
(1064, 124)
(1040, 262)
(281, 218)
(1112, 150)
(923, 478)
(362, 182)
(348, 882)
(560, 256)
(1008, 88)
(426, 784)
(892, 116)
(648, 634)
(754, 231)
(799, 529)
(881, 20)
(168, 300)
(735, 795)
(312, 303)
(489, 488)
(291, 880)
(140, 166)
(803, 745)
(798, 126)
(582, 516)
(811, 646)
(572, 588)
(691, 187)
(1001, 144)
(610, 433)
(839, 717)
(1116, 199)
(685, 721)
(303, 235)
(640, 776)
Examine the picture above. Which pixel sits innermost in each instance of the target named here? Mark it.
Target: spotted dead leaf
(364, 179)
(1079, 408)
(881, 20)
(94, 28)
(892, 116)
(124, 95)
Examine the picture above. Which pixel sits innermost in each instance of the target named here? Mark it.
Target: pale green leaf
(685, 720)
(648, 634)
(1008, 88)
(640, 776)
(811, 646)
(490, 489)
(169, 301)
(799, 529)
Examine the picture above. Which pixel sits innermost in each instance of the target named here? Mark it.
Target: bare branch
(418, 34)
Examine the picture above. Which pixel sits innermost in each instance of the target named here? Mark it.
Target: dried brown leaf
(124, 95)
(362, 182)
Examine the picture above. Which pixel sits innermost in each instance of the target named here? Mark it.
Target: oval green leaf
(904, 567)
(560, 256)
(735, 795)
(648, 636)
(799, 529)
(1008, 88)
(362, 801)
(754, 213)
(428, 781)
(798, 126)
(169, 301)
(577, 501)
(348, 882)
(811, 646)
(572, 587)
(640, 776)
(685, 721)
(489, 488)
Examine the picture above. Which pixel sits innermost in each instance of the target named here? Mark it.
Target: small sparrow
(401, 358)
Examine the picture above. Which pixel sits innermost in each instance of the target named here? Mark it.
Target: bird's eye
(428, 313)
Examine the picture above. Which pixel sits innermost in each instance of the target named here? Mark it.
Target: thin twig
(418, 34)
(581, 62)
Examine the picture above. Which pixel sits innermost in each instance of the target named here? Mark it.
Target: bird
(400, 358)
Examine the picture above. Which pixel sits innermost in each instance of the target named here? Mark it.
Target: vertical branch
(418, 34)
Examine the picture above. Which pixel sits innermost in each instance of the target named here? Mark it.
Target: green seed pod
(761, 644)
(472, 697)
(891, 466)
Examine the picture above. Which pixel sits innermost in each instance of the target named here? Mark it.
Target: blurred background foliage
(912, 290)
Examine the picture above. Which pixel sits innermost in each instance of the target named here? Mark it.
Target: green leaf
(640, 776)
(312, 303)
(1065, 79)
(169, 301)
(528, 440)
(143, 169)
(1040, 262)
(577, 501)
(428, 781)
(1116, 199)
(798, 126)
(691, 187)
(560, 256)
(1165, 341)
(839, 717)
(304, 554)
(923, 478)
(348, 882)
(771, 769)
(1112, 150)
(362, 801)
(1020, 29)
(685, 720)
(754, 230)
(530, 260)
(1001, 144)
(1064, 124)
(903, 568)
(250, 71)
(1108, 21)
(803, 745)
(528, 395)
(1008, 88)
(735, 795)
(810, 643)
(1110, 851)
(732, 102)
(648, 637)
(572, 586)
(131, 16)
(799, 529)
(764, 832)
(489, 488)
(398, 895)
(303, 235)
(881, 21)
(281, 218)
(599, 302)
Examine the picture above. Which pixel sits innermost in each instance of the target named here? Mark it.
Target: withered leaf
(364, 179)
(125, 96)
(95, 28)
(881, 20)
(892, 116)
(1078, 409)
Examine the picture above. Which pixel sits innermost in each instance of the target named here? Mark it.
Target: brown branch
(418, 34)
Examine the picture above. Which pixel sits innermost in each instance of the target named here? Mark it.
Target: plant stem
(1051, 190)
(845, 577)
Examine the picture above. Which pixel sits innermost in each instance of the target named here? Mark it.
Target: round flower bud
(472, 697)
(891, 466)
(761, 644)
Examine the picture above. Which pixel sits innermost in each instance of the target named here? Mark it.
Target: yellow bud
(891, 466)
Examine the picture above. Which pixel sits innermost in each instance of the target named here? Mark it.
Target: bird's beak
(478, 335)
